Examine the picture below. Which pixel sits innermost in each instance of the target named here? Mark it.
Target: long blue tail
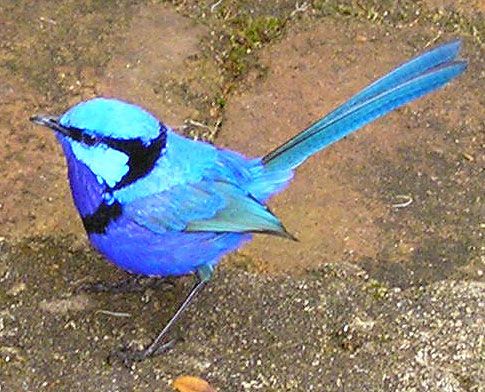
(412, 80)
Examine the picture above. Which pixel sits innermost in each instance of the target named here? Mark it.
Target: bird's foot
(133, 284)
(129, 356)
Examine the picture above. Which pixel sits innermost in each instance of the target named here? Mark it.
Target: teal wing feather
(241, 213)
(207, 206)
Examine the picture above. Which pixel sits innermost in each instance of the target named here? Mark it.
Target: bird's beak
(51, 122)
(46, 121)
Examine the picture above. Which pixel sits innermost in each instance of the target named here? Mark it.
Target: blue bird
(158, 204)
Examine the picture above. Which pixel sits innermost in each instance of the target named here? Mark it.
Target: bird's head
(119, 142)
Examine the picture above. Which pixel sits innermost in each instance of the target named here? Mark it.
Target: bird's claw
(128, 356)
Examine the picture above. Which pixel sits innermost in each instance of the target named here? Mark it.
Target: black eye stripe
(76, 134)
(126, 146)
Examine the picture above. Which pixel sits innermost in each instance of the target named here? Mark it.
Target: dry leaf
(192, 384)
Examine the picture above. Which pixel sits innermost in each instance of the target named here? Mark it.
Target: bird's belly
(141, 251)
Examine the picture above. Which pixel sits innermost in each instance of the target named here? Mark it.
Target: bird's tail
(419, 76)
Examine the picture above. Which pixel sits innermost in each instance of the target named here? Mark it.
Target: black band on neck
(98, 221)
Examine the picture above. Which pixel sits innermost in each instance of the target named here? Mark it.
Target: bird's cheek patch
(107, 164)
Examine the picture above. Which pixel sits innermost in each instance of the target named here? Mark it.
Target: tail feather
(412, 80)
(412, 68)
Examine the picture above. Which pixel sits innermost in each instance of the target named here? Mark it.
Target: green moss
(452, 21)
(378, 289)
(327, 8)
(246, 34)
(221, 101)
(237, 33)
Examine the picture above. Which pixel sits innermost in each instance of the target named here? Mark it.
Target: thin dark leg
(204, 274)
(132, 284)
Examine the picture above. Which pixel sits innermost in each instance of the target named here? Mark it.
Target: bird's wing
(206, 206)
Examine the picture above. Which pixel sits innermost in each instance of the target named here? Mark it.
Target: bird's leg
(204, 274)
(132, 284)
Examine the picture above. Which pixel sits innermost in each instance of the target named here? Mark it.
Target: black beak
(46, 121)
(51, 122)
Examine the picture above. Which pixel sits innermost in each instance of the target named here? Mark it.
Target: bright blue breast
(87, 191)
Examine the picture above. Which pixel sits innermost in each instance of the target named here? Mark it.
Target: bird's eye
(90, 140)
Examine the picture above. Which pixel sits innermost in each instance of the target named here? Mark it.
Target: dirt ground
(374, 296)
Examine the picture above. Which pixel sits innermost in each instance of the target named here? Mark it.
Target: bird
(155, 203)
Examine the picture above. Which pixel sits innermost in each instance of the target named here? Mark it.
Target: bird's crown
(112, 118)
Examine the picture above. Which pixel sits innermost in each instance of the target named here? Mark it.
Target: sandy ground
(373, 297)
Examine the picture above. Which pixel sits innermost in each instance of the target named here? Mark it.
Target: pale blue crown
(105, 117)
